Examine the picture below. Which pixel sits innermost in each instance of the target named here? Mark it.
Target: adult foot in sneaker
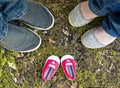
(20, 39)
(96, 38)
(81, 15)
(37, 16)
(86, 12)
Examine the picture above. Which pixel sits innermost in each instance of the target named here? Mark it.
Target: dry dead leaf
(65, 32)
(51, 40)
(62, 1)
(74, 85)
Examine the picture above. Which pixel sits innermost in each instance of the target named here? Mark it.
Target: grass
(96, 68)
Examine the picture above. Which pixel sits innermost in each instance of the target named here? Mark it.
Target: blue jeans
(111, 8)
(10, 10)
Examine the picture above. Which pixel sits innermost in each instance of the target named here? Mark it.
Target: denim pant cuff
(22, 12)
(94, 9)
(3, 27)
(110, 31)
(4, 32)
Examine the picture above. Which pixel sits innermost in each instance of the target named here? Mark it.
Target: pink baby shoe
(50, 67)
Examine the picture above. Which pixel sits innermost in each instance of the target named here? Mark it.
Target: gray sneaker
(89, 40)
(37, 16)
(20, 39)
(76, 18)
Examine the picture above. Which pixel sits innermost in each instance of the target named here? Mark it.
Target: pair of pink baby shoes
(52, 63)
